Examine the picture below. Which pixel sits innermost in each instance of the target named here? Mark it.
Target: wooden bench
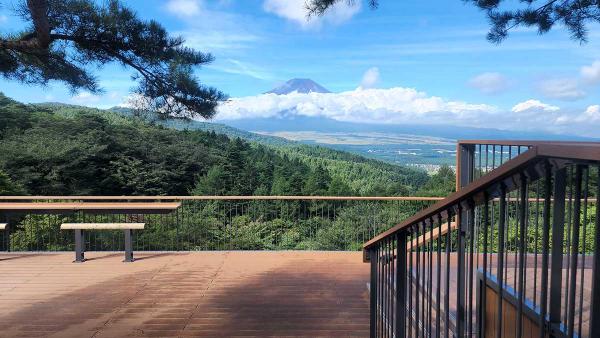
(79, 243)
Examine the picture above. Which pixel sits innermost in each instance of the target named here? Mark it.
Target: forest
(53, 149)
(56, 149)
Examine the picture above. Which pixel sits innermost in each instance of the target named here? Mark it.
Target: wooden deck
(207, 294)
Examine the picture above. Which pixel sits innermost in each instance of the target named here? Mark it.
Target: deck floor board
(204, 294)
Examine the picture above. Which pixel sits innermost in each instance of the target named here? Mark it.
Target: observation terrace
(513, 253)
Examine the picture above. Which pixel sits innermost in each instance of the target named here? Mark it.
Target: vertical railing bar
(460, 288)
(470, 238)
(583, 248)
(594, 328)
(384, 289)
(482, 306)
(430, 279)
(393, 289)
(410, 284)
(379, 289)
(423, 276)
(535, 245)
(400, 324)
(501, 225)
(518, 232)
(447, 293)
(373, 292)
(438, 312)
(558, 223)
(574, 250)
(391, 286)
(545, 249)
(522, 229)
(568, 244)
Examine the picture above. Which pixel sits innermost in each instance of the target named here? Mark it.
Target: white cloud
(562, 89)
(394, 105)
(489, 83)
(186, 8)
(107, 100)
(533, 106)
(211, 40)
(592, 113)
(591, 73)
(233, 66)
(370, 78)
(85, 99)
(295, 10)
(586, 123)
(409, 106)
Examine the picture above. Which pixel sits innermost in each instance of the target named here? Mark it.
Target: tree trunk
(39, 16)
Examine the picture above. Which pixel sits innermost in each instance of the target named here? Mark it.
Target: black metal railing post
(558, 225)
(595, 296)
(460, 270)
(545, 249)
(574, 251)
(400, 324)
(465, 165)
(500, 259)
(522, 247)
(373, 292)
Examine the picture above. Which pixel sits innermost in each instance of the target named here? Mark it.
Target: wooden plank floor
(208, 294)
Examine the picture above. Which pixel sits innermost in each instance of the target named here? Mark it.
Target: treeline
(56, 149)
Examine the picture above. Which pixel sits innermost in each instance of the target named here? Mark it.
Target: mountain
(218, 128)
(299, 85)
(297, 123)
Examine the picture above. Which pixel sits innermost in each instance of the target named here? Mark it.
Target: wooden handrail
(523, 143)
(576, 151)
(184, 198)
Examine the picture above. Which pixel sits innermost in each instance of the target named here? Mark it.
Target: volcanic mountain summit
(304, 86)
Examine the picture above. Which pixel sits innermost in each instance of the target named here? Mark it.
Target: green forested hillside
(59, 149)
(363, 175)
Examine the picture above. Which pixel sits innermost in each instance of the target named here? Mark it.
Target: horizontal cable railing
(510, 254)
(211, 222)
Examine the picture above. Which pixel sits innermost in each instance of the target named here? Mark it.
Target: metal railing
(521, 262)
(216, 223)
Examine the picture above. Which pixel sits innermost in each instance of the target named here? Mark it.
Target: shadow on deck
(185, 294)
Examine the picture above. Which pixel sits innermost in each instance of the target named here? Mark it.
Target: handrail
(524, 143)
(577, 151)
(320, 198)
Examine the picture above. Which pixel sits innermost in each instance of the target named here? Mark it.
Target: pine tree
(8, 187)
(212, 183)
(67, 38)
(505, 15)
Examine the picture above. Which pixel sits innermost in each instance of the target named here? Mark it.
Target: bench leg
(7, 233)
(79, 246)
(128, 246)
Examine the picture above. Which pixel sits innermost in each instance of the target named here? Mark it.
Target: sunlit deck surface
(208, 294)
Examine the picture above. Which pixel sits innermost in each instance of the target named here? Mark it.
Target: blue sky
(432, 53)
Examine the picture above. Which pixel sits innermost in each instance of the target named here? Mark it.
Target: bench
(79, 243)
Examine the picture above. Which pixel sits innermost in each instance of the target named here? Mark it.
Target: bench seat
(102, 226)
(80, 244)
